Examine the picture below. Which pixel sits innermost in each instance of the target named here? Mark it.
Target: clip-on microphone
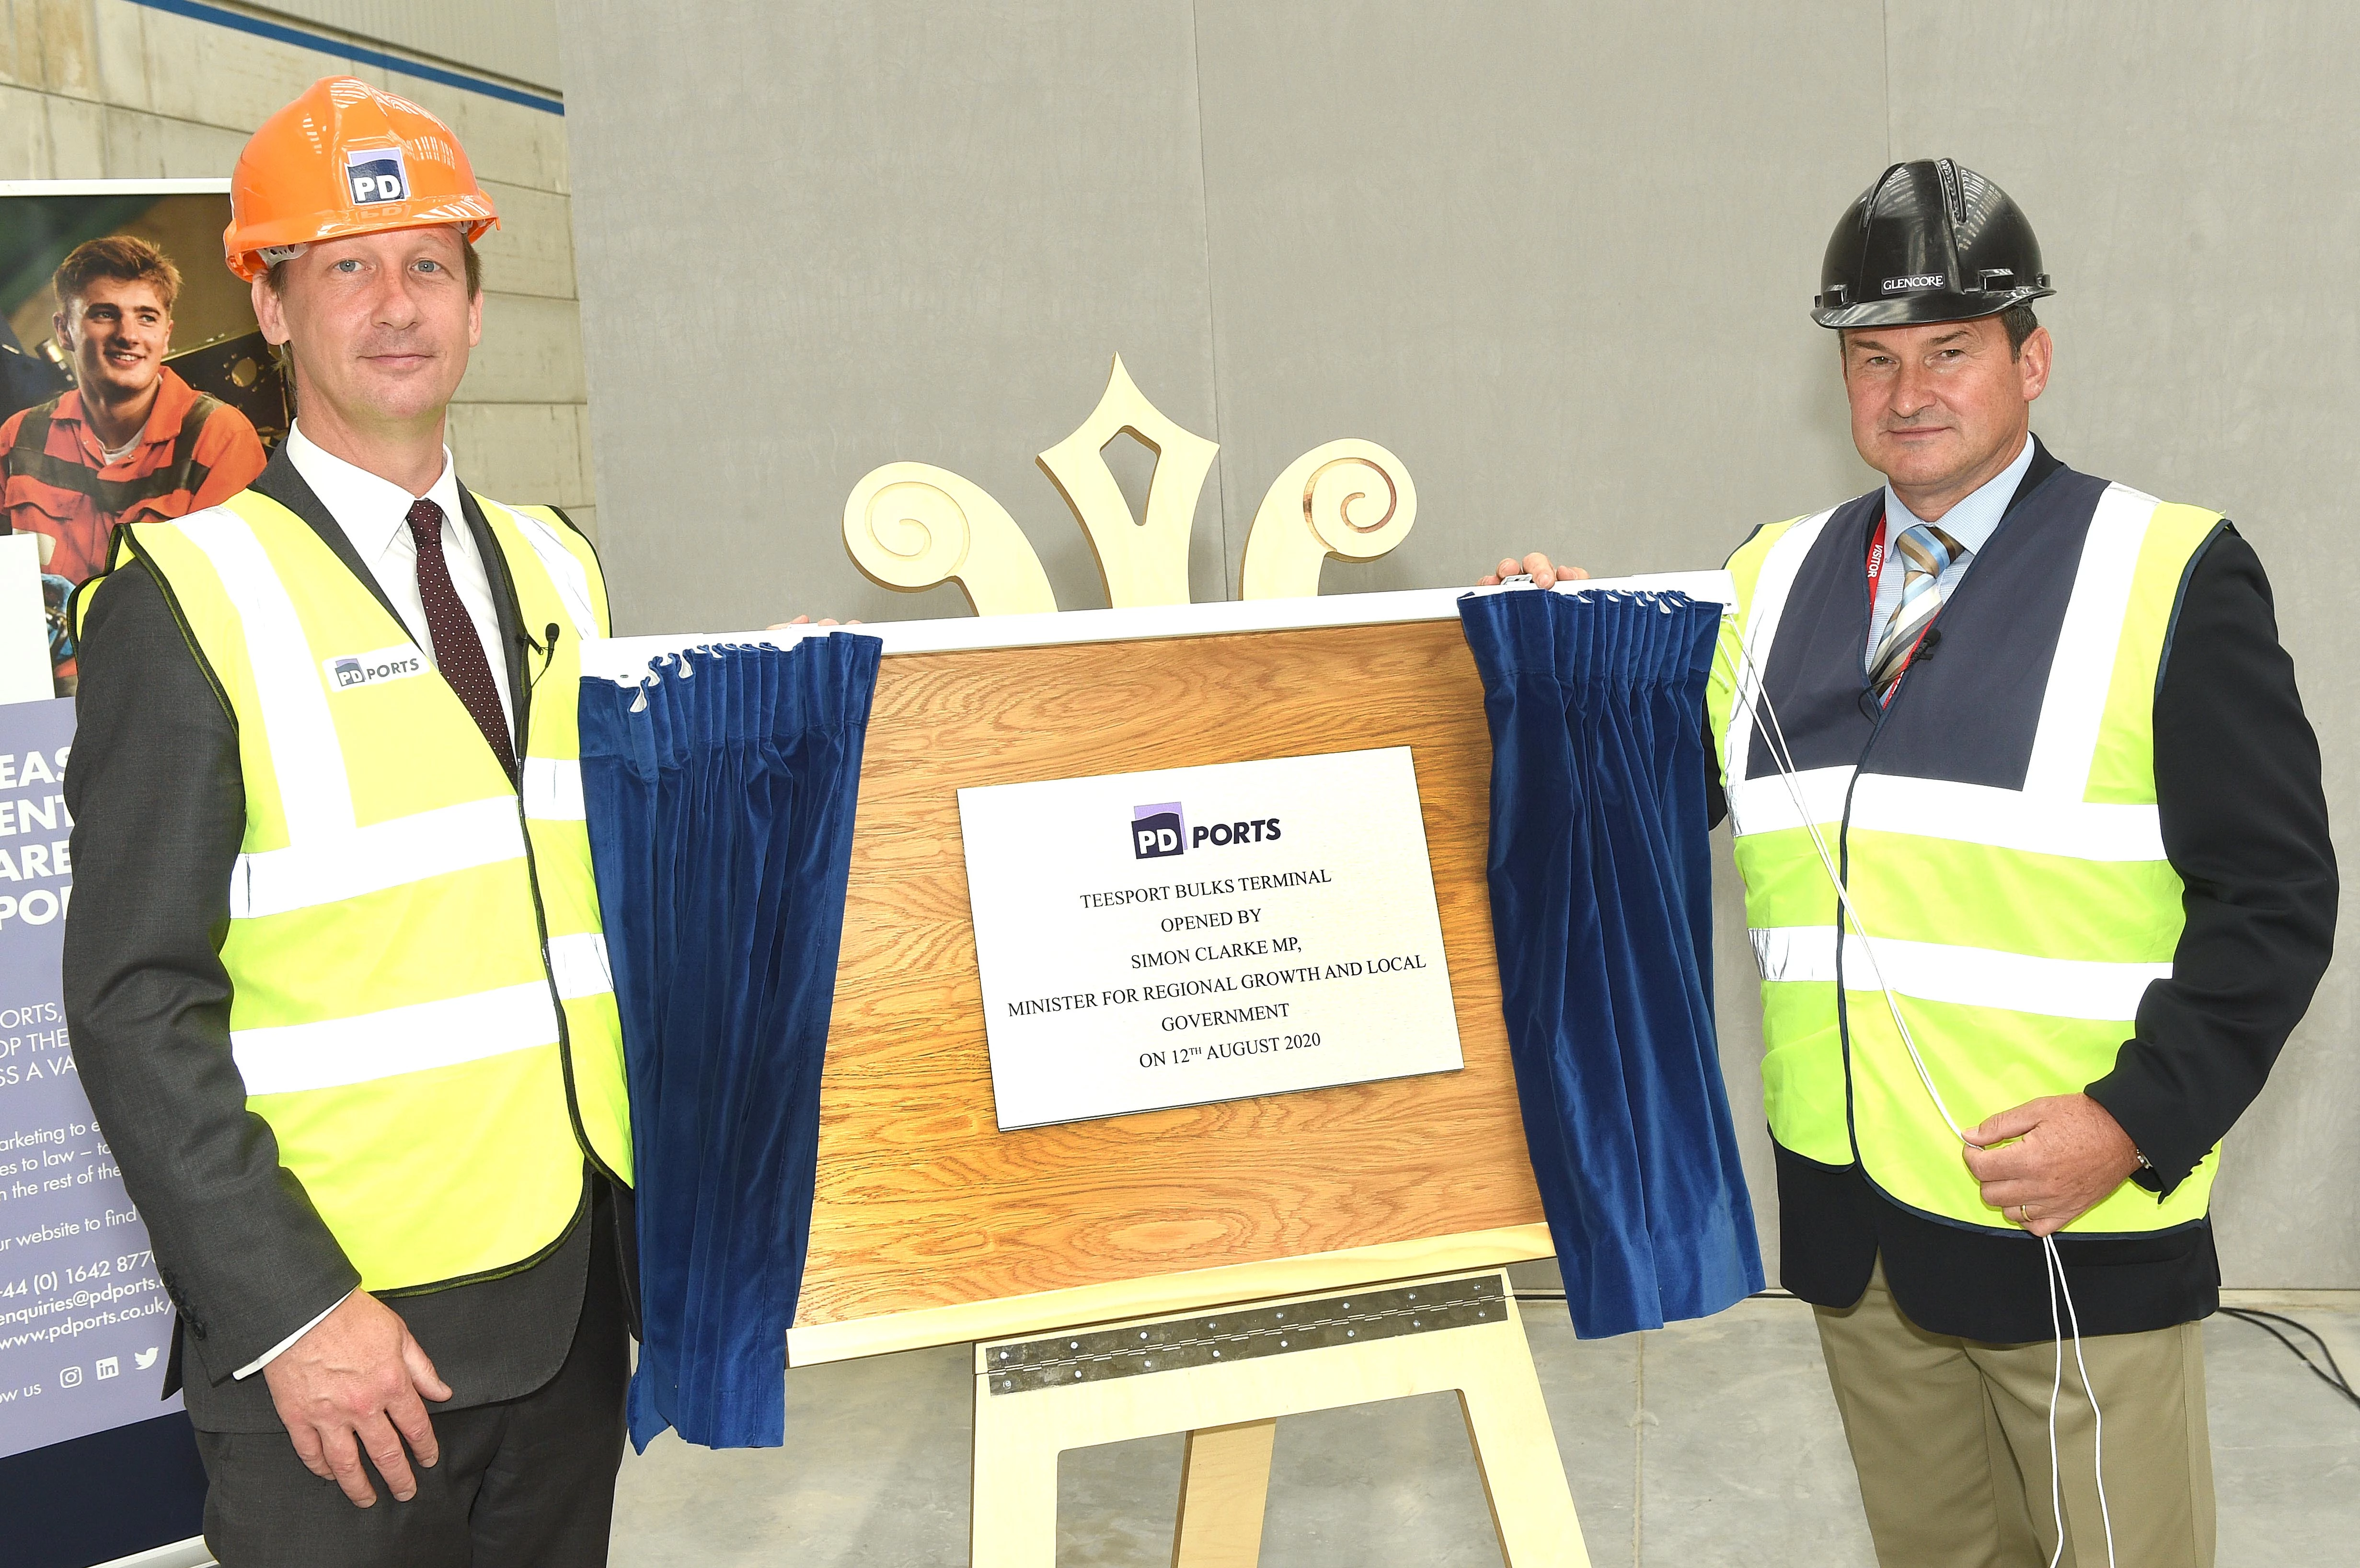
(547, 650)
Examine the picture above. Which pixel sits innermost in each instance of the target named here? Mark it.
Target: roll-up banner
(117, 319)
(95, 1462)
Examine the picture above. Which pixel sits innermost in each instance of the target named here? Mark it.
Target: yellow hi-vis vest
(422, 1008)
(2020, 925)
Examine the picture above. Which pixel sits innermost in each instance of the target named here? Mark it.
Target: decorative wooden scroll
(912, 525)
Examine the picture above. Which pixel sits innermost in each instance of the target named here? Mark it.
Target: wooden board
(921, 1203)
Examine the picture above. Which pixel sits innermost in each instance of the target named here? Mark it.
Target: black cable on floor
(2330, 1375)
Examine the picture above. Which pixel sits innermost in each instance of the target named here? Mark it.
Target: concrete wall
(1557, 256)
(515, 39)
(105, 89)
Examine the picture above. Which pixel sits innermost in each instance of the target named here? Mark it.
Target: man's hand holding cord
(2050, 1161)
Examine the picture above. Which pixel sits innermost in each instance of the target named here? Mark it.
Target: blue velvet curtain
(720, 803)
(1602, 909)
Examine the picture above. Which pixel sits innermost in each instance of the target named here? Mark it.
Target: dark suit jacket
(159, 805)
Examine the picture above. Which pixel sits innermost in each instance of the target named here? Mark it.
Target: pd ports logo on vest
(350, 670)
(1156, 830)
(376, 175)
(1916, 280)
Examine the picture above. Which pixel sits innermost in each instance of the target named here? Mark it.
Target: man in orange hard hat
(334, 970)
(132, 440)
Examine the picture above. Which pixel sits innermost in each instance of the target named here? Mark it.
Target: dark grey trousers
(528, 1482)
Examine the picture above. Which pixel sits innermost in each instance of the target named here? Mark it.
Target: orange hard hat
(346, 158)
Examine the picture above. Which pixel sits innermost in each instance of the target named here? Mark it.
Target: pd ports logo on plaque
(1156, 830)
(1254, 928)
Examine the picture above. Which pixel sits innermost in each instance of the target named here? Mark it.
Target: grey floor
(1705, 1444)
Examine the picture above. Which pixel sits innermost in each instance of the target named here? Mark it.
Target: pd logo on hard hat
(375, 175)
(1156, 830)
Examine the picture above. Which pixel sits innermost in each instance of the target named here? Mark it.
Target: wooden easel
(1226, 1375)
(931, 1227)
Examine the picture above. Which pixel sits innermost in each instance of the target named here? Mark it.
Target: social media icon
(108, 1367)
(143, 1359)
(70, 1378)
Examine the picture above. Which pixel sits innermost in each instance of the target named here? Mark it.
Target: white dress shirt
(1970, 522)
(374, 515)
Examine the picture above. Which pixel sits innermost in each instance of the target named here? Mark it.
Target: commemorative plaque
(1176, 937)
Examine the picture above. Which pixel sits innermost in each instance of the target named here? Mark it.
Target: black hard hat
(1929, 242)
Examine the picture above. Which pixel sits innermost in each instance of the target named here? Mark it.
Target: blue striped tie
(1926, 554)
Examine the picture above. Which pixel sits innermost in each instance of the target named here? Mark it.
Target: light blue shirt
(1970, 522)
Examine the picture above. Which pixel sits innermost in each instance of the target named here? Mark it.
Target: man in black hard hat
(2041, 727)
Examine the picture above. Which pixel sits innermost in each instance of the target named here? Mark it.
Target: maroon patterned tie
(458, 647)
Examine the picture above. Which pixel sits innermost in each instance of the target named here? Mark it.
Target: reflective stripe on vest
(1936, 971)
(422, 1008)
(566, 569)
(552, 789)
(289, 1057)
(1943, 808)
(2019, 926)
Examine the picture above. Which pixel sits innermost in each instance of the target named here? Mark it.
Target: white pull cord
(2053, 1266)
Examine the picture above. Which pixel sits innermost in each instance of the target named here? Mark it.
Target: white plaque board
(1190, 935)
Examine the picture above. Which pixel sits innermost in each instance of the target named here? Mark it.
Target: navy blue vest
(1970, 703)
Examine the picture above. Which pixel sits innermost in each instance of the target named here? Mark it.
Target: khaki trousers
(1950, 1438)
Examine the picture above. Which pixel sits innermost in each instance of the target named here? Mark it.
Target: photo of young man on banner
(105, 423)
